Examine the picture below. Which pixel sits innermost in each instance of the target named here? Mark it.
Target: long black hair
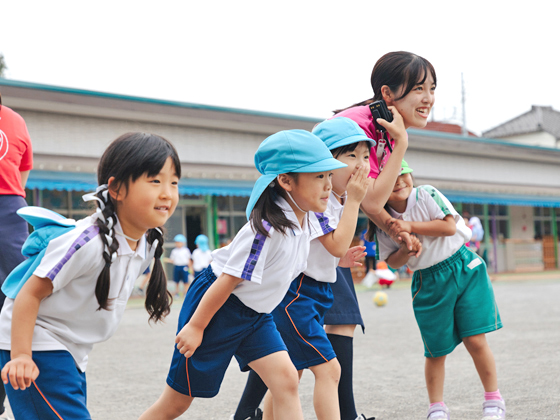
(266, 209)
(126, 159)
(396, 69)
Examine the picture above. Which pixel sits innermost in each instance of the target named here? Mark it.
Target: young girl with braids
(72, 291)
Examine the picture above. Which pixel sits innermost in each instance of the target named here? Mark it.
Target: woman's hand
(189, 339)
(21, 371)
(354, 254)
(396, 127)
(358, 183)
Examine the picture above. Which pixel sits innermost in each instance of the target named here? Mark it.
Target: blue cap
(180, 238)
(202, 242)
(341, 131)
(289, 151)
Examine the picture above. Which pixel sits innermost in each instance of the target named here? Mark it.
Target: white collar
(411, 201)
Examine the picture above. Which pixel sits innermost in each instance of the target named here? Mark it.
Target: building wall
(542, 139)
(521, 222)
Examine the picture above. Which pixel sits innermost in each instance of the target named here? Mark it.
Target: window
(231, 216)
(542, 219)
(495, 211)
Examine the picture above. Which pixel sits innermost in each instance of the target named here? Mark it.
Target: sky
(301, 57)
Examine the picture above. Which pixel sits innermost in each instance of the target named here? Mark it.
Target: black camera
(379, 109)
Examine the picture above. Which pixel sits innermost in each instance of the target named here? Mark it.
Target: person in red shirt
(16, 160)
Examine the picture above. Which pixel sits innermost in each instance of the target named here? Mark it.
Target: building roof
(538, 119)
(446, 128)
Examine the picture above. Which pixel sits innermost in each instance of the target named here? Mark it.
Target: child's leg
(279, 374)
(434, 371)
(170, 405)
(342, 340)
(325, 393)
(483, 359)
(253, 394)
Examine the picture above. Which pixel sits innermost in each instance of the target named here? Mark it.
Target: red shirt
(16, 154)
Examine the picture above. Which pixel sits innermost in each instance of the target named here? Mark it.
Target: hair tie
(93, 196)
(110, 223)
(159, 230)
(109, 240)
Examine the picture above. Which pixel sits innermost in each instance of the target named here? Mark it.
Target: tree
(2, 65)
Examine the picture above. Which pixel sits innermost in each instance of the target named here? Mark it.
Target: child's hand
(352, 257)
(358, 184)
(396, 127)
(20, 371)
(397, 226)
(189, 339)
(411, 243)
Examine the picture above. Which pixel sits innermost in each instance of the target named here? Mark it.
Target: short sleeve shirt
(425, 204)
(200, 259)
(380, 153)
(321, 265)
(16, 154)
(180, 256)
(267, 264)
(69, 318)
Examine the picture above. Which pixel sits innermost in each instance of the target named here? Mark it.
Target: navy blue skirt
(13, 233)
(345, 309)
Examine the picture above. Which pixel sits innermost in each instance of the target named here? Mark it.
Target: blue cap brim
(357, 138)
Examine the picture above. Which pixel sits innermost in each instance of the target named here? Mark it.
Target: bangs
(416, 73)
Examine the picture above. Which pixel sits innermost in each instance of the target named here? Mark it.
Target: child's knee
(327, 371)
(475, 343)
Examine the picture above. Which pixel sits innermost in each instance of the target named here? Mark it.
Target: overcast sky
(293, 57)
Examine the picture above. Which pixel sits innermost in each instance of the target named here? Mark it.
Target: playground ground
(127, 373)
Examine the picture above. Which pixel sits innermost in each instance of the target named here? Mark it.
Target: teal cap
(289, 151)
(341, 131)
(180, 238)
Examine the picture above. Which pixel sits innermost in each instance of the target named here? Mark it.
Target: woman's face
(415, 107)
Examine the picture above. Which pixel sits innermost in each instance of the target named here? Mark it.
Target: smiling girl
(72, 291)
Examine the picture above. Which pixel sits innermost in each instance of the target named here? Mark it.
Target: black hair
(126, 159)
(396, 69)
(266, 209)
(339, 151)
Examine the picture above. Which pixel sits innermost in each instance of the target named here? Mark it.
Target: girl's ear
(388, 95)
(286, 182)
(113, 187)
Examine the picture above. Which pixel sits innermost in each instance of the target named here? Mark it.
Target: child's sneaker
(257, 416)
(494, 410)
(362, 417)
(438, 412)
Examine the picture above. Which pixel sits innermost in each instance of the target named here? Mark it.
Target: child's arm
(401, 256)
(440, 227)
(338, 241)
(352, 257)
(21, 370)
(190, 337)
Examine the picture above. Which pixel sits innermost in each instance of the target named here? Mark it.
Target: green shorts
(453, 299)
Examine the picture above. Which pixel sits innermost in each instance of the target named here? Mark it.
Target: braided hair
(125, 160)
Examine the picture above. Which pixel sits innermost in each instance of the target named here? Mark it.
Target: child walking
(201, 256)
(452, 295)
(227, 309)
(180, 257)
(72, 291)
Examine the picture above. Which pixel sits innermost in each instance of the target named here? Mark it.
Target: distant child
(72, 290)
(201, 256)
(180, 257)
(452, 295)
(227, 309)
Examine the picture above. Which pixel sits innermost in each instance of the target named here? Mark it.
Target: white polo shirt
(68, 319)
(425, 204)
(180, 256)
(200, 259)
(321, 265)
(268, 265)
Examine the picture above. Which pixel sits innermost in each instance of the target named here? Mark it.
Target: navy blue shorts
(59, 390)
(345, 309)
(300, 320)
(181, 273)
(235, 330)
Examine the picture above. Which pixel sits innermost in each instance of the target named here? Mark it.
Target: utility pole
(464, 128)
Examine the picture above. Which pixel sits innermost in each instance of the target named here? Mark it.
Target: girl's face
(310, 191)
(401, 192)
(355, 159)
(148, 202)
(415, 107)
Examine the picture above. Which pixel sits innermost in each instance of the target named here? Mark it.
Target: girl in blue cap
(227, 309)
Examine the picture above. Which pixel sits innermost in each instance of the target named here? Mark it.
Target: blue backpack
(48, 225)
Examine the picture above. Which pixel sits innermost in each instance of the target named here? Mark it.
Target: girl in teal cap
(226, 311)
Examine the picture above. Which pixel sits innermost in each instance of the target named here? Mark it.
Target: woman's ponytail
(158, 299)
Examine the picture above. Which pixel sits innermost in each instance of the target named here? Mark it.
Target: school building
(512, 186)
